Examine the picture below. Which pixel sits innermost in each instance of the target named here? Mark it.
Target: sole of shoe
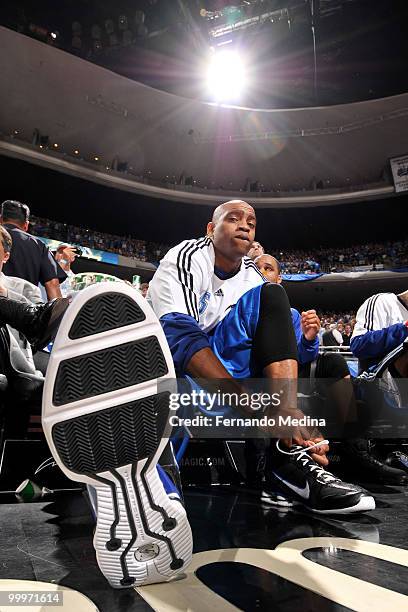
(365, 504)
(105, 416)
(276, 500)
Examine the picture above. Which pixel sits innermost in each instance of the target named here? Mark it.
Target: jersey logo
(219, 293)
(204, 299)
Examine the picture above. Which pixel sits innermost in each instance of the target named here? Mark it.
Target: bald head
(222, 209)
(232, 230)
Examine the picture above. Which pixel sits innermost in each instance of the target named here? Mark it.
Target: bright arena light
(226, 77)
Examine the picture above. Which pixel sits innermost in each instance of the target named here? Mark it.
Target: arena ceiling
(298, 52)
(86, 108)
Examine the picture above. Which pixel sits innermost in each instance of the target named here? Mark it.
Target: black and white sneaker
(105, 416)
(304, 481)
(358, 459)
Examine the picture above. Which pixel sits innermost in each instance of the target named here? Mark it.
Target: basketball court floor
(248, 555)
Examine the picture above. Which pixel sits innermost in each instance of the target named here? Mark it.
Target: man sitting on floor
(223, 321)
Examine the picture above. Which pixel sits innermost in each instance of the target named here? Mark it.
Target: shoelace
(304, 458)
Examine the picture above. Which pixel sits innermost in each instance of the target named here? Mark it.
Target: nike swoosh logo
(305, 492)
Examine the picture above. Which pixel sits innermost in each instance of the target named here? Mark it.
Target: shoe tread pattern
(108, 370)
(105, 312)
(107, 439)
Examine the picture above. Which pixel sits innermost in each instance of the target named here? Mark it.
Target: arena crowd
(376, 255)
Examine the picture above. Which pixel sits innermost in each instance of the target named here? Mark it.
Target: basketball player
(379, 341)
(381, 330)
(223, 321)
(334, 383)
(105, 416)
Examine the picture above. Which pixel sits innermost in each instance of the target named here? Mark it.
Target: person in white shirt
(223, 321)
(381, 331)
(18, 363)
(379, 341)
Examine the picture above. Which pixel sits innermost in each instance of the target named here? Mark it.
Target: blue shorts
(231, 340)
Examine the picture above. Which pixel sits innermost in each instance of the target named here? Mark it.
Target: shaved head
(227, 206)
(232, 231)
(266, 258)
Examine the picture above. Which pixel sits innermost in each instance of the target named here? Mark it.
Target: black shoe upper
(359, 459)
(398, 460)
(38, 323)
(42, 322)
(304, 480)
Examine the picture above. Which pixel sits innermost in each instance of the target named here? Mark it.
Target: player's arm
(174, 294)
(52, 288)
(50, 275)
(374, 334)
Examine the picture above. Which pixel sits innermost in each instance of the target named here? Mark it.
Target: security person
(30, 258)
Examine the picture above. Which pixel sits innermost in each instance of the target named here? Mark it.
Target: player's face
(269, 268)
(234, 232)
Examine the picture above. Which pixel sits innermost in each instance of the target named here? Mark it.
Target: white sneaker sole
(276, 500)
(365, 504)
(105, 416)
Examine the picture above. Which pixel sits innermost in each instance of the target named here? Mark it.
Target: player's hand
(310, 324)
(69, 254)
(319, 453)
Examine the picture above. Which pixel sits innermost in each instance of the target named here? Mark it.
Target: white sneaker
(105, 416)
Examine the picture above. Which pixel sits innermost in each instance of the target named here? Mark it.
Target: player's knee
(271, 294)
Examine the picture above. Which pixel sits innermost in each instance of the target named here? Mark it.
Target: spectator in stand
(65, 256)
(347, 334)
(340, 328)
(30, 258)
(332, 337)
(17, 360)
(325, 327)
(378, 255)
(144, 287)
